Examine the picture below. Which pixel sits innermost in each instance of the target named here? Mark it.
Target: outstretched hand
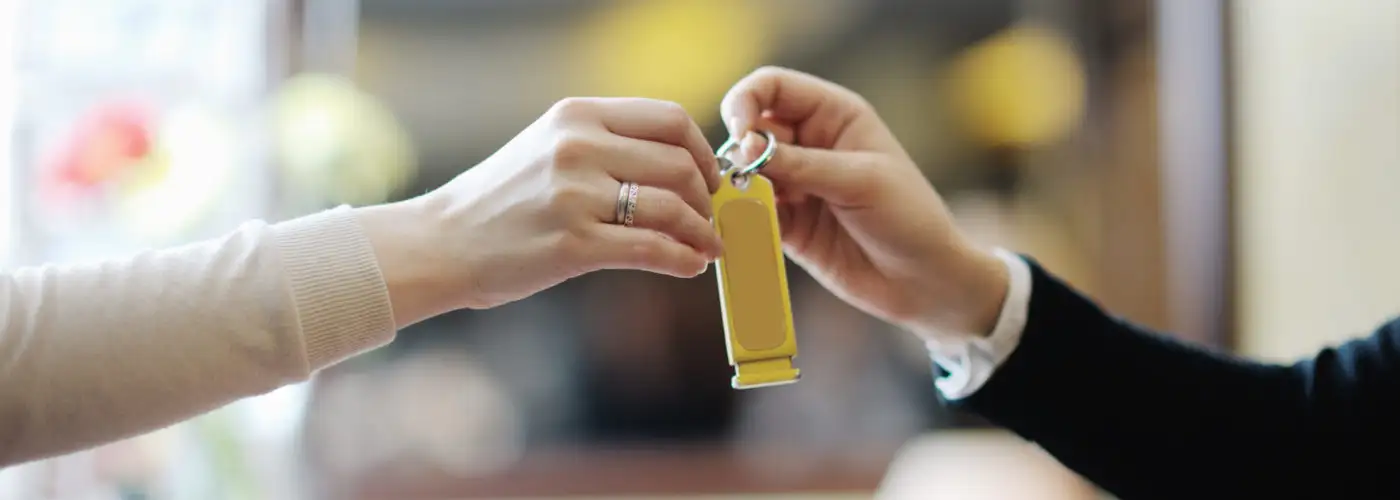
(857, 213)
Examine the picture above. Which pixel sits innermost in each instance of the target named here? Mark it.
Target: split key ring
(757, 163)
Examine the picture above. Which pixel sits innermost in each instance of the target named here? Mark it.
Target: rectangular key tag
(753, 288)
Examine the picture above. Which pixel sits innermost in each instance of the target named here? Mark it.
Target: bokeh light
(1023, 87)
(338, 144)
(687, 51)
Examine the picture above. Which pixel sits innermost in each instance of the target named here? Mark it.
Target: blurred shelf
(684, 472)
(744, 496)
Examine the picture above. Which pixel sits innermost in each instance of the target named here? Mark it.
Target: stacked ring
(632, 190)
(626, 204)
(620, 212)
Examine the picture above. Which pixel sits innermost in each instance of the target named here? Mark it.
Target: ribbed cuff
(341, 299)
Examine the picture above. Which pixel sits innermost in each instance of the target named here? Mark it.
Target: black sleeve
(1144, 416)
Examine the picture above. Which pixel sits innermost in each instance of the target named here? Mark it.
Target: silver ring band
(632, 190)
(620, 211)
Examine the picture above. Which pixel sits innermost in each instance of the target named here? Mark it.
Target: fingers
(817, 109)
(672, 199)
(667, 236)
(602, 143)
(619, 247)
(663, 211)
(843, 178)
(659, 165)
(653, 120)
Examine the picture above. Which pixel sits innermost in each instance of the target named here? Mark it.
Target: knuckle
(769, 72)
(859, 103)
(570, 149)
(571, 108)
(673, 115)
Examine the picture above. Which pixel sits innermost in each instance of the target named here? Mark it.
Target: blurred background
(1222, 169)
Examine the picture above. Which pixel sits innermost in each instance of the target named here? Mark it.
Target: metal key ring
(759, 162)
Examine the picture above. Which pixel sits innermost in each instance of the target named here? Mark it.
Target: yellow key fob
(753, 286)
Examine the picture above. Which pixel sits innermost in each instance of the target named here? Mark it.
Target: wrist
(969, 297)
(418, 276)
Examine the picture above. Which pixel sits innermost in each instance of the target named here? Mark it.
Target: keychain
(753, 289)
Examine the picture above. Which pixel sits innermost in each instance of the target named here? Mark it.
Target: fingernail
(699, 270)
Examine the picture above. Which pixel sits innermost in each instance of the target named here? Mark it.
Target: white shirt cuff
(969, 361)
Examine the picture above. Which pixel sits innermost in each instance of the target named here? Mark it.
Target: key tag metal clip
(753, 287)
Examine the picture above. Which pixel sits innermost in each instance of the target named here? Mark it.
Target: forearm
(1137, 414)
(95, 353)
(1143, 415)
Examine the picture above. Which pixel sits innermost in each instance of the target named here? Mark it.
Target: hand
(857, 213)
(541, 210)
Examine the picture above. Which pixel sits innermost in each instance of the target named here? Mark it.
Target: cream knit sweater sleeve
(99, 352)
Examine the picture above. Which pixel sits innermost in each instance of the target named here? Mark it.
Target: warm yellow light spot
(687, 51)
(338, 143)
(1023, 87)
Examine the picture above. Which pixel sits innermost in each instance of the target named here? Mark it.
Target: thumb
(839, 177)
